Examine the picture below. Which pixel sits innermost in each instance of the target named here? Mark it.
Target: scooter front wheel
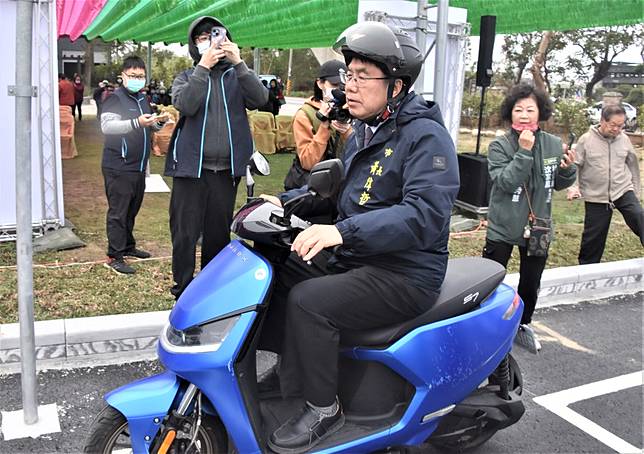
(110, 434)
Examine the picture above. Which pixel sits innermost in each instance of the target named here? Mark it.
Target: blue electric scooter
(445, 378)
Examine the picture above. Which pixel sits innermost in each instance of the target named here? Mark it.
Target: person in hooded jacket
(389, 236)
(210, 145)
(127, 122)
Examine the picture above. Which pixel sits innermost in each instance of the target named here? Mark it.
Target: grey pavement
(582, 343)
(91, 338)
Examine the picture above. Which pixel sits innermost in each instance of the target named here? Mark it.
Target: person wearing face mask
(317, 140)
(526, 165)
(79, 88)
(211, 145)
(127, 122)
(609, 179)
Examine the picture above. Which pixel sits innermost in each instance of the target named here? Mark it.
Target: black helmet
(373, 41)
(413, 57)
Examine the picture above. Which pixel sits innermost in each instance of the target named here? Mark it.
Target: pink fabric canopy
(74, 16)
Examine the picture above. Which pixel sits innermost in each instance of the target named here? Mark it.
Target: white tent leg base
(14, 427)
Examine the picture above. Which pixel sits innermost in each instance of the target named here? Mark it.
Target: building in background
(624, 74)
(71, 55)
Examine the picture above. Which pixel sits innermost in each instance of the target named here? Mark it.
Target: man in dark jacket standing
(126, 121)
(390, 235)
(210, 146)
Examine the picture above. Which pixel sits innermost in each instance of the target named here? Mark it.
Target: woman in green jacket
(526, 165)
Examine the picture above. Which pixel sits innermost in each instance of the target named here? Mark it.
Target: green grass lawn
(90, 289)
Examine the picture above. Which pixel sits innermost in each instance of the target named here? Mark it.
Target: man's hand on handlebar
(312, 240)
(272, 199)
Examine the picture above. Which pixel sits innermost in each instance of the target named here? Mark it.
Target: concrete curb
(131, 336)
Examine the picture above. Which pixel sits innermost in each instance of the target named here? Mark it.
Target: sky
(631, 55)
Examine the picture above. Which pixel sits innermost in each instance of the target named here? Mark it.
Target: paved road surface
(582, 344)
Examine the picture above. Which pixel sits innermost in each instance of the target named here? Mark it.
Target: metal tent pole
(148, 72)
(256, 60)
(440, 64)
(148, 78)
(289, 82)
(421, 41)
(23, 93)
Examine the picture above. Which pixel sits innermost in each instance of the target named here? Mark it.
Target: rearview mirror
(326, 177)
(259, 164)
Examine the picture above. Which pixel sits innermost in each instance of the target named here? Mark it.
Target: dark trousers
(530, 270)
(124, 191)
(317, 306)
(199, 206)
(80, 113)
(597, 221)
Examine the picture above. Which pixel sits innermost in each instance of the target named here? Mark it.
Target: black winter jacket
(398, 192)
(213, 131)
(127, 152)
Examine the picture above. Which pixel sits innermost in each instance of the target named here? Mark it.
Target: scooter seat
(468, 282)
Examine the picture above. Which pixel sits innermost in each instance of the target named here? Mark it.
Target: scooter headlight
(202, 338)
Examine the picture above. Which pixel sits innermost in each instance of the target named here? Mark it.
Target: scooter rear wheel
(110, 433)
(469, 440)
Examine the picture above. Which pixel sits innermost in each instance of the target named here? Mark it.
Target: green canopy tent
(316, 23)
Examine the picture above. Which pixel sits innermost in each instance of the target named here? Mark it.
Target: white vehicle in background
(267, 77)
(594, 114)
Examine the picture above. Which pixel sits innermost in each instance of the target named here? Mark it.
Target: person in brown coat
(66, 96)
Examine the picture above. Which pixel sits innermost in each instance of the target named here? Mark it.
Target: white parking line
(558, 404)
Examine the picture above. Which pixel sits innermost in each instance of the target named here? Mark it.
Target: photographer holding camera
(320, 126)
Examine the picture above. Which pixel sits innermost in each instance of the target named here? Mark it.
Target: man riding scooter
(390, 234)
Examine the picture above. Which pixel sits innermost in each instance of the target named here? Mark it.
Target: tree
(305, 66)
(597, 48)
(540, 48)
(539, 61)
(636, 97)
(89, 66)
(518, 49)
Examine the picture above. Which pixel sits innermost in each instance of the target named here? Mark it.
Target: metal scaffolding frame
(449, 89)
(48, 210)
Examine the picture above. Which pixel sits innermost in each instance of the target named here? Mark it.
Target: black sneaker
(119, 266)
(138, 253)
(305, 430)
(527, 339)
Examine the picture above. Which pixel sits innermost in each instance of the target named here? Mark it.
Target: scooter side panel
(235, 279)
(141, 402)
(213, 373)
(445, 361)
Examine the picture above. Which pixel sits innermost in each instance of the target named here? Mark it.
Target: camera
(337, 112)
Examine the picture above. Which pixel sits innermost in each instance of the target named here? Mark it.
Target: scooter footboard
(145, 403)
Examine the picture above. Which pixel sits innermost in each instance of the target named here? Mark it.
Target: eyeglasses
(202, 38)
(360, 80)
(612, 125)
(135, 76)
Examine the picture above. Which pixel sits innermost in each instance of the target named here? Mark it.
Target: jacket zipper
(611, 205)
(145, 134)
(174, 149)
(203, 127)
(230, 136)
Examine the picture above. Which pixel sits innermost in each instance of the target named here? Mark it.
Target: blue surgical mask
(134, 85)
